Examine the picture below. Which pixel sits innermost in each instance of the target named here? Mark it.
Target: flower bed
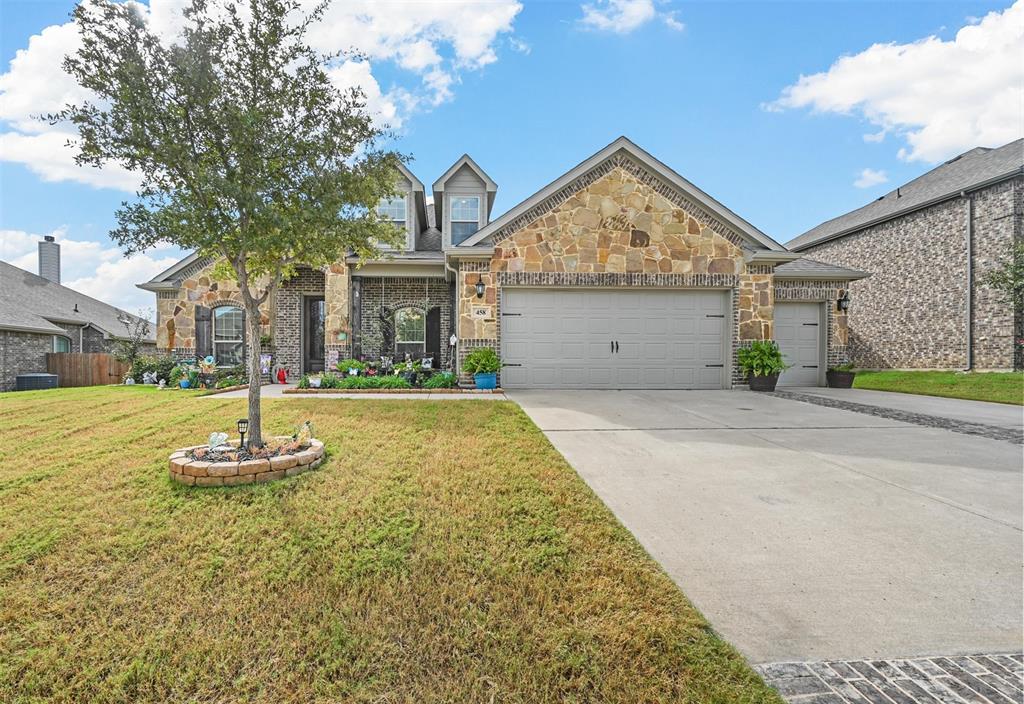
(193, 465)
(347, 391)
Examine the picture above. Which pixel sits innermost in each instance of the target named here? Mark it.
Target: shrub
(162, 366)
(441, 380)
(483, 360)
(762, 358)
(227, 381)
(331, 381)
(346, 364)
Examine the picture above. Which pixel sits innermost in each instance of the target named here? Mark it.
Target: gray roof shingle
(31, 303)
(963, 173)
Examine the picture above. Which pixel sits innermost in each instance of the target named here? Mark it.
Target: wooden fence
(85, 368)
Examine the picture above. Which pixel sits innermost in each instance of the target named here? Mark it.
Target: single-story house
(38, 315)
(928, 245)
(618, 274)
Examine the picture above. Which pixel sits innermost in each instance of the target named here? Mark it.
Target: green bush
(483, 360)
(441, 380)
(331, 381)
(346, 364)
(148, 363)
(227, 381)
(762, 358)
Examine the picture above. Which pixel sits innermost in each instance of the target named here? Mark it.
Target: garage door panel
(798, 333)
(563, 337)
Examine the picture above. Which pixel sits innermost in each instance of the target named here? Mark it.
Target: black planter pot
(763, 383)
(840, 380)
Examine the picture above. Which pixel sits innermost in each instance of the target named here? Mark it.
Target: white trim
(464, 160)
(623, 144)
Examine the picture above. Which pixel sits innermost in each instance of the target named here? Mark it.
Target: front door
(313, 334)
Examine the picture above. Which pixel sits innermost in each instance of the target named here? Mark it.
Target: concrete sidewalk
(1002, 415)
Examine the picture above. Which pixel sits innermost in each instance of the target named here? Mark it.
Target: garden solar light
(243, 425)
(844, 301)
(480, 289)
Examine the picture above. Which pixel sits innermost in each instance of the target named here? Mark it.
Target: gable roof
(971, 170)
(623, 146)
(169, 278)
(30, 303)
(804, 268)
(465, 160)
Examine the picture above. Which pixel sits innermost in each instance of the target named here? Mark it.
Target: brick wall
(22, 353)
(383, 296)
(288, 318)
(912, 311)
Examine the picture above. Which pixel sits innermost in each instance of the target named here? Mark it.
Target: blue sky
(711, 89)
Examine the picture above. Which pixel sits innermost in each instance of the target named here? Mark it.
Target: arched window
(228, 335)
(61, 344)
(410, 332)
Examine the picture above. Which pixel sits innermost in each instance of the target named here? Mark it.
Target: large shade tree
(245, 149)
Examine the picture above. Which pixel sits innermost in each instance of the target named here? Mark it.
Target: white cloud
(430, 42)
(942, 97)
(624, 16)
(94, 268)
(870, 177)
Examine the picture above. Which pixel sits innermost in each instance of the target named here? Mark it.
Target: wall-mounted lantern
(480, 289)
(843, 303)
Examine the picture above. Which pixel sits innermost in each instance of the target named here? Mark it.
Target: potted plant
(762, 363)
(408, 370)
(314, 381)
(840, 377)
(483, 363)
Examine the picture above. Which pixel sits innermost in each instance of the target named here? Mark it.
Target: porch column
(337, 325)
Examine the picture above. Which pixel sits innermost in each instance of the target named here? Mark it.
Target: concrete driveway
(804, 532)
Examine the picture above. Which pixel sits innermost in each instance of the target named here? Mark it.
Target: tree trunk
(252, 320)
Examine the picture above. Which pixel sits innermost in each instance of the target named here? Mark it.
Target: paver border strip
(993, 432)
(200, 473)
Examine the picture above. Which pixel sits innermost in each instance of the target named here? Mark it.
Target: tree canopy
(245, 149)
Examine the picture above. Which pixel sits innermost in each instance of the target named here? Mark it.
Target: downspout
(969, 236)
(454, 313)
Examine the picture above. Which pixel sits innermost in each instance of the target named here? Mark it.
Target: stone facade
(621, 229)
(175, 310)
(911, 313)
(381, 297)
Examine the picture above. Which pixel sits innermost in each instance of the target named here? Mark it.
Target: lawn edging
(470, 392)
(190, 472)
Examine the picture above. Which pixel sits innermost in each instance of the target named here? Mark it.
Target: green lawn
(1001, 387)
(445, 552)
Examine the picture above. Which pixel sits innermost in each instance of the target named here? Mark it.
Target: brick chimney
(49, 259)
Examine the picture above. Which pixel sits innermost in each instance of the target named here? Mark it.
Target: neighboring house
(928, 245)
(618, 274)
(38, 315)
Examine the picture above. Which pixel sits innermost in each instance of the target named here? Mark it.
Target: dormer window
(393, 209)
(465, 217)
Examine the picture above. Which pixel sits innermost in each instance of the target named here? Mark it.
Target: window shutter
(433, 338)
(204, 331)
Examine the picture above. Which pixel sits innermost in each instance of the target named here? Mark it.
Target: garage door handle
(616, 347)
(810, 366)
(715, 316)
(813, 325)
(714, 365)
(613, 346)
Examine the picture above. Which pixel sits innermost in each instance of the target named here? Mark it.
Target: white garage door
(613, 339)
(798, 332)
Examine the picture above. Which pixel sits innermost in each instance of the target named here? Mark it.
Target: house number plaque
(481, 311)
